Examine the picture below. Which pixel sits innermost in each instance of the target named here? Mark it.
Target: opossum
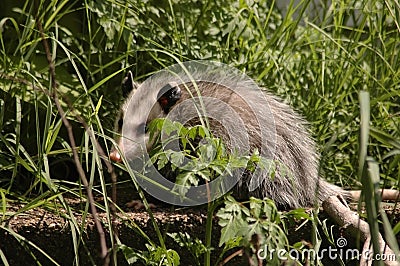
(245, 118)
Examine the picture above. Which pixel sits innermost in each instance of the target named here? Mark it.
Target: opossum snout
(115, 156)
(130, 149)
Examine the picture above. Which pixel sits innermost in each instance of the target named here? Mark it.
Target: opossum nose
(115, 156)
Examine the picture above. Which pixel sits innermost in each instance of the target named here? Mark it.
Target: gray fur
(274, 129)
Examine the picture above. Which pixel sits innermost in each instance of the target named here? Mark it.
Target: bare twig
(230, 257)
(386, 194)
(71, 137)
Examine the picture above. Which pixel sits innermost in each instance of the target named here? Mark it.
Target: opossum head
(148, 106)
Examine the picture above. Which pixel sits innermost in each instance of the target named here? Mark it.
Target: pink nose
(115, 156)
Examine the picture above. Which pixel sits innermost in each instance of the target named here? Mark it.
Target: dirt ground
(48, 230)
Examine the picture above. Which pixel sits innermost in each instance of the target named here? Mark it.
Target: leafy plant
(193, 245)
(153, 256)
(319, 63)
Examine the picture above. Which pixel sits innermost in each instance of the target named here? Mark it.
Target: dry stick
(350, 220)
(110, 169)
(83, 178)
(227, 259)
(71, 137)
(386, 194)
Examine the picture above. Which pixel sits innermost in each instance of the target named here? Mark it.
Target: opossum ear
(128, 84)
(168, 96)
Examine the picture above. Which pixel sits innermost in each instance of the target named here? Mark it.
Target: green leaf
(130, 254)
(193, 245)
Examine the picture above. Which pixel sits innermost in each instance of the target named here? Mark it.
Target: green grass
(321, 66)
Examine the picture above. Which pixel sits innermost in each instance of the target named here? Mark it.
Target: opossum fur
(298, 186)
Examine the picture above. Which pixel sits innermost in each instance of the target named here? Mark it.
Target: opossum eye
(168, 96)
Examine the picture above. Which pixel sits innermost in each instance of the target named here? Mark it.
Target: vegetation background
(318, 56)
